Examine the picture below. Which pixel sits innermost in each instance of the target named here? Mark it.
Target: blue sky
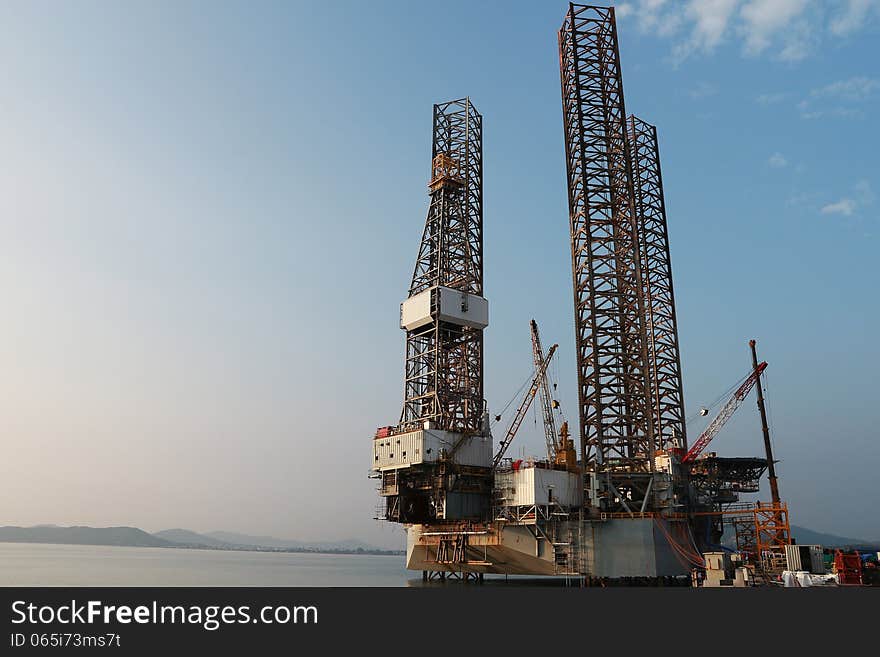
(209, 215)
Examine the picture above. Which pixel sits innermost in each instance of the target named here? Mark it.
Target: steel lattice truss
(664, 363)
(615, 420)
(444, 362)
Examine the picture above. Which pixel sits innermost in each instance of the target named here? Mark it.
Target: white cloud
(837, 99)
(854, 16)
(797, 41)
(648, 14)
(764, 19)
(857, 88)
(710, 19)
(788, 30)
(845, 206)
(668, 25)
(864, 196)
(777, 161)
(623, 10)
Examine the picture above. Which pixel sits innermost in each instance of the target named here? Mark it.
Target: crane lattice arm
(523, 407)
(544, 394)
(724, 414)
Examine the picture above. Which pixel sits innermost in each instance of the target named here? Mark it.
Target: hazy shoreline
(135, 537)
(379, 553)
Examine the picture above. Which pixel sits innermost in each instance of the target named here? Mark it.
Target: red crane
(724, 414)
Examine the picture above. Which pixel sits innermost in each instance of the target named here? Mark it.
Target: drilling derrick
(444, 357)
(616, 421)
(664, 361)
(435, 464)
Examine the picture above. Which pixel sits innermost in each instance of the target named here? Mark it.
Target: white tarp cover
(802, 578)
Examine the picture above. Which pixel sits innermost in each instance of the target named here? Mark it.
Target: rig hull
(615, 548)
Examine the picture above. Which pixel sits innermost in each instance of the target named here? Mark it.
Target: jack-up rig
(635, 502)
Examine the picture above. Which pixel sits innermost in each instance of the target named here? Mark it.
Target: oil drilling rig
(634, 502)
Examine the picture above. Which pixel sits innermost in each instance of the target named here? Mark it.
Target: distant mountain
(806, 536)
(128, 536)
(176, 538)
(189, 538)
(235, 538)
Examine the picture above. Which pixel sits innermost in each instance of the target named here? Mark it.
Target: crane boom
(544, 394)
(523, 407)
(724, 414)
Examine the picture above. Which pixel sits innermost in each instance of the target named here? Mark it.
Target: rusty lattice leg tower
(615, 418)
(664, 361)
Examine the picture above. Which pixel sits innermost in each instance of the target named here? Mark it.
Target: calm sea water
(32, 564)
